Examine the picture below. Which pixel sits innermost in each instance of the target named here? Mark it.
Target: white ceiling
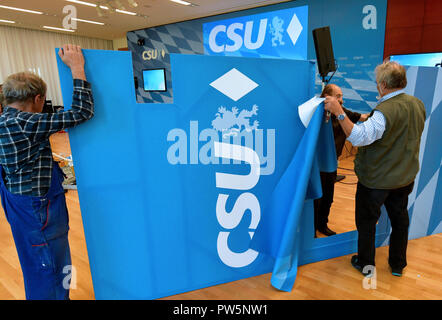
(149, 13)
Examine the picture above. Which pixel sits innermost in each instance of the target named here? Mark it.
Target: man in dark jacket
(322, 206)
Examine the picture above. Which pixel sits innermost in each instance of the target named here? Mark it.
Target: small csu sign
(153, 54)
(281, 33)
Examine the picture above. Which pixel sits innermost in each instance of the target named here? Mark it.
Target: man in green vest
(386, 164)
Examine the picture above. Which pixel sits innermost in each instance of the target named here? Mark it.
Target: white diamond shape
(294, 29)
(234, 84)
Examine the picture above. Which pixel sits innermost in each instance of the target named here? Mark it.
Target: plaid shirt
(25, 151)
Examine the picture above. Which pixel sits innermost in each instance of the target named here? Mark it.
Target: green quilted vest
(393, 161)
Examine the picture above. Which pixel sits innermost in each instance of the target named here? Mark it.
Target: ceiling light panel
(20, 9)
(88, 21)
(7, 21)
(58, 29)
(182, 2)
(126, 12)
(107, 8)
(83, 3)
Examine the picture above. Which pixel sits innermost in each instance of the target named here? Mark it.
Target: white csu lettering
(246, 201)
(370, 20)
(150, 54)
(236, 37)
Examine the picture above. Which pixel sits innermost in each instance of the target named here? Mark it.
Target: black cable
(331, 76)
(345, 169)
(327, 81)
(336, 65)
(354, 175)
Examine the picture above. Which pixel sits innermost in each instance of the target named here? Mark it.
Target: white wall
(24, 49)
(120, 43)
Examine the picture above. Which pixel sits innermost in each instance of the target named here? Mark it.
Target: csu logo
(230, 122)
(234, 138)
(153, 54)
(235, 123)
(263, 31)
(236, 33)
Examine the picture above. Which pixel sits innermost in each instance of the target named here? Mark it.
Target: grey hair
(392, 74)
(22, 86)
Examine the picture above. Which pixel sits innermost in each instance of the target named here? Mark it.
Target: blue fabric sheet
(279, 233)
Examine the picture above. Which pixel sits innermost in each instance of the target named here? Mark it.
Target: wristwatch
(341, 116)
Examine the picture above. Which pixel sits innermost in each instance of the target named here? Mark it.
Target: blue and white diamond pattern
(425, 203)
(184, 38)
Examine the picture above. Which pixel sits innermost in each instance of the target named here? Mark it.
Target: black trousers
(368, 210)
(322, 206)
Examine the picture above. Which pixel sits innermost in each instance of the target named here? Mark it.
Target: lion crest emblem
(230, 123)
(276, 31)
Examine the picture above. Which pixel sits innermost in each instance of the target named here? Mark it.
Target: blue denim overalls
(40, 229)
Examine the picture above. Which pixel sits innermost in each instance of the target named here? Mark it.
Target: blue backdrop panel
(164, 211)
(425, 200)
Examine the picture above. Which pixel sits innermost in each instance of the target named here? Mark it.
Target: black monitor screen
(154, 80)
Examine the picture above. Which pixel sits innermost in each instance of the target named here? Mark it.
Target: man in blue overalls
(31, 182)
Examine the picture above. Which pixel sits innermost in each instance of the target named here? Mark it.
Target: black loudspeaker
(324, 51)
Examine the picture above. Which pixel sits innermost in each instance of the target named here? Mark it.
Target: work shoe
(360, 268)
(396, 272)
(326, 231)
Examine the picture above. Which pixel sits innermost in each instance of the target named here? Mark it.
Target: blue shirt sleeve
(369, 131)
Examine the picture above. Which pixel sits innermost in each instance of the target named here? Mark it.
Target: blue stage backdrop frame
(135, 201)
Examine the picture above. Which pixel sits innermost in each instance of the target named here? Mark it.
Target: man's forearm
(346, 125)
(78, 73)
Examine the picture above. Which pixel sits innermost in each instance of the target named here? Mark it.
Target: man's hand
(332, 104)
(327, 116)
(72, 56)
